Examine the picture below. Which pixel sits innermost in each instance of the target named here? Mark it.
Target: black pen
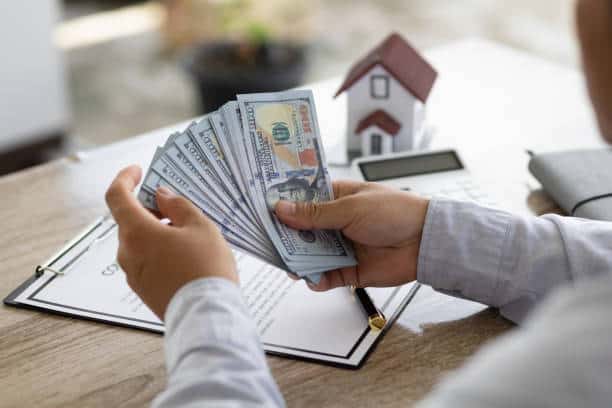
(376, 320)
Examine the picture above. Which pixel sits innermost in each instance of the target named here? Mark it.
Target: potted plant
(246, 46)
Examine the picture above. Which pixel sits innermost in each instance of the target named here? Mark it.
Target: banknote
(183, 152)
(164, 175)
(235, 164)
(282, 138)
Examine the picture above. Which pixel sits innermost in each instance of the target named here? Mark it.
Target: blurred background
(80, 74)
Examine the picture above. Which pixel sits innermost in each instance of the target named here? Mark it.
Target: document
(84, 280)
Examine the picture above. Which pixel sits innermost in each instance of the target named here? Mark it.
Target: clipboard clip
(40, 270)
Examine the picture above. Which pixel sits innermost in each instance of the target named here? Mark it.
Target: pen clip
(376, 319)
(377, 323)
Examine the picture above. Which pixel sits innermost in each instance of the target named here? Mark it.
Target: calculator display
(410, 166)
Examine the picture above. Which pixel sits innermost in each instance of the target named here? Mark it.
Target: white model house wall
(419, 125)
(400, 104)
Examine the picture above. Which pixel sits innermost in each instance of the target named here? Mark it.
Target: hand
(384, 224)
(159, 258)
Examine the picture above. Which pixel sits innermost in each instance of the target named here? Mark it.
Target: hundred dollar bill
(231, 115)
(162, 173)
(181, 151)
(287, 162)
(207, 140)
(224, 137)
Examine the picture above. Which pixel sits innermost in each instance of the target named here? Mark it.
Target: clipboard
(286, 312)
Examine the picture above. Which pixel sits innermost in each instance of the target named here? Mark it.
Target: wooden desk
(484, 108)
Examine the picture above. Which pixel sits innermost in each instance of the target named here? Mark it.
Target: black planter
(219, 75)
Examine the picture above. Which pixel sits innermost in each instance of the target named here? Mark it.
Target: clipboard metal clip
(40, 270)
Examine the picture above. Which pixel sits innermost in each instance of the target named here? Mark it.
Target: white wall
(400, 105)
(32, 86)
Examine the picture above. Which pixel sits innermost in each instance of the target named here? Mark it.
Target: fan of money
(236, 163)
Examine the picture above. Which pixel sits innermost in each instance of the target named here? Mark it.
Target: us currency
(148, 199)
(236, 163)
(182, 151)
(282, 147)
(233, 117)
(209, 144)
(230, 113)
(163, 173)
(224, 137)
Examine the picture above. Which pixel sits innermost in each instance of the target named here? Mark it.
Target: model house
(387, 91)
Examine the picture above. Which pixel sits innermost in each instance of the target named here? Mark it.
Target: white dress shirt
(560, 357)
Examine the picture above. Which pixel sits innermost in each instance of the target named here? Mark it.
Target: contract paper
(292, 320)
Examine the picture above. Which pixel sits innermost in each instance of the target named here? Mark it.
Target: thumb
(307, 215)
(176, 208)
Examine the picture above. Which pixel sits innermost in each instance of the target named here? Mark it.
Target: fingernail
(284, 207)
(165, 192)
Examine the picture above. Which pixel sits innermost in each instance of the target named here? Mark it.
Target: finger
(337, 278)
(293, 276)
(346, 187)
(324, 283)
(335, 214)
(122, 203)
(176, 208)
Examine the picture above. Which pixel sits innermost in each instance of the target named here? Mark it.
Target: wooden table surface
(51, 361)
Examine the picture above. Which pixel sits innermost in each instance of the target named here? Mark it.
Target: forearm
(507, 261)
(213, 354)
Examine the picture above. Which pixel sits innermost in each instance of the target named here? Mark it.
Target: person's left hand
(158, 258)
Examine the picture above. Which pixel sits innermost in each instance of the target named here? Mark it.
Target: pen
(376, 320)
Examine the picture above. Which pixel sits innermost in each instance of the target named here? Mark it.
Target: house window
(379, 86)
(375, 143)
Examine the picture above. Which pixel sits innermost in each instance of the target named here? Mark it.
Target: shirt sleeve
(560, 358)
(213, 354)
(508, 261)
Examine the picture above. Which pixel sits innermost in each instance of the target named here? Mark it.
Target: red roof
(381, 119)
(400, 60)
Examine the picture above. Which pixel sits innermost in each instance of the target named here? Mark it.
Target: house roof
(400, 60)
(381, 119)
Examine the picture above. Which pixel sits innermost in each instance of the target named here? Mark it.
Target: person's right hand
(384, 224)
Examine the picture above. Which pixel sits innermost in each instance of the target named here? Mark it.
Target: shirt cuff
(215, 312)
(462, 248)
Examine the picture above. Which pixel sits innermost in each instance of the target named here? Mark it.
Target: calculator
(440, 173)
